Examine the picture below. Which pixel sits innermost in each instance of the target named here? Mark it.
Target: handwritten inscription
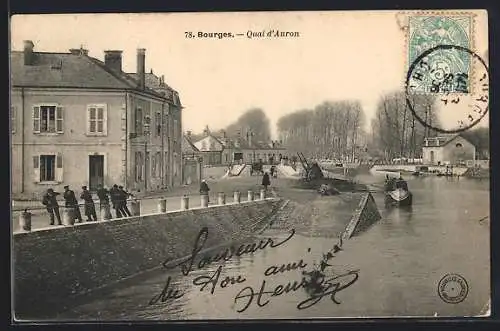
(314, 283)
(274, 270)
(167, 293)
(329, 287)
(213, 280)
(224, 255)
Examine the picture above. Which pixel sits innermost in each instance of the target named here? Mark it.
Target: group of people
(117, 194)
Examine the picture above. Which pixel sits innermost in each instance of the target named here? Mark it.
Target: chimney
(29, 56)
(250, 134)
(113, 60)
(141, 67)
(79, 51)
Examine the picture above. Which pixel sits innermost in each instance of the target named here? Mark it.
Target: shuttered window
(97, 120)
(48, 168)
(13, 115)
(48, 119)
(138, 120)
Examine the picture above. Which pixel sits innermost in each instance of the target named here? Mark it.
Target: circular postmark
(446, 90)
(453, 288)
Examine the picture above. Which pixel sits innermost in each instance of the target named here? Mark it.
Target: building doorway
(96, 171)
(432, 157)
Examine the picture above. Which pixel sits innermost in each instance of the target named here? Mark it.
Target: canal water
(393, 269)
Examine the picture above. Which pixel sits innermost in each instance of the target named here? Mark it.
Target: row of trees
(335, 130)
(394, 130)
(330, 130)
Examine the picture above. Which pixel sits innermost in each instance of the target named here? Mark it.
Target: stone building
(220, 149)
(451, 149)
(76, 121)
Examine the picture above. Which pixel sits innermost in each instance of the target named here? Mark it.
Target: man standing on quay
(103, 195)
(71, 202)
(50, 201)
(89, 207)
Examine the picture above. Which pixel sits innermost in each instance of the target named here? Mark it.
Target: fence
(39, 217)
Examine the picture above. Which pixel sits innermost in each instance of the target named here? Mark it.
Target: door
(432, 157)
(238, 157)
(96, 171)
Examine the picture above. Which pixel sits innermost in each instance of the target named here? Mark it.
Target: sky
(338, 56)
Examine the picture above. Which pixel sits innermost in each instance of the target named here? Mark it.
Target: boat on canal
(397, 192)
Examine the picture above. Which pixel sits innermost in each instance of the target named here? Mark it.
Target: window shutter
(105, 120)
(36, 119)
(36, 168)
(89, 109)
(59, 168)
(13, 118)
(59, 119)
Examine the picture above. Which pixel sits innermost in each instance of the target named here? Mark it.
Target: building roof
(188, 143)
(444, 139)
(67, 70)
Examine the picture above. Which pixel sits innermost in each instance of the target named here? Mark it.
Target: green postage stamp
(427, 33)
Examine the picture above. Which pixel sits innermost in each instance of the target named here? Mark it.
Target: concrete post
(262, 194)
(185, 202)
(69, 216)
(237, 197)
(204, 200)
(135, 207)
(105, 212)
(162, 205)
(250, 195)
(25, 220)
(221, 198)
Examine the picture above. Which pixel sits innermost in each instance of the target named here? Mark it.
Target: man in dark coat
(114, 193)
(71, 202)
(89, 207)
(204, 189)
(266, 181)
(124, 195)
(49, 200)
(103, 195)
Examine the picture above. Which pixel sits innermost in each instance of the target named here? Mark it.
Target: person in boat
(401, 183)
(389, 183)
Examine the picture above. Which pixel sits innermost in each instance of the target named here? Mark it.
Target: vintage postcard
(250, 165)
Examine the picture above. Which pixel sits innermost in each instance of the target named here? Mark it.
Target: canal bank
(399, 261)
(52, 265)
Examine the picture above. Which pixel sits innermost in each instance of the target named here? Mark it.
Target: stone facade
(77, 121)
(449, 150)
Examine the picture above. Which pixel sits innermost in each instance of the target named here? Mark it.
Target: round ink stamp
(453, 288)
(447, 88)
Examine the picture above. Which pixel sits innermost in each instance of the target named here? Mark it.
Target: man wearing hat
(114, 193)
(71, 202)
(50, 202)
(204, 189)
(124, 195)
(89, 207)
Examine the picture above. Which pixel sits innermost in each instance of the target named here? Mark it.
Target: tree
(330, 130)
(252, 121)
(479, 137)
(395, 130)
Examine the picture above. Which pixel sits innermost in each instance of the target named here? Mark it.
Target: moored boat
(397, 193)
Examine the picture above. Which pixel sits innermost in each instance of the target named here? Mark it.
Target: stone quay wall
(363, 217)
(52, 265)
